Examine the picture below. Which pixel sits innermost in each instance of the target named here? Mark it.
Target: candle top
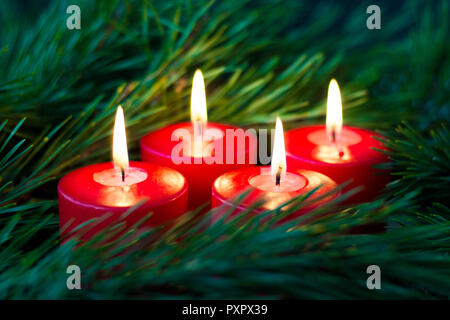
(160, 185)
(116, 177)
(163, 141)
(231, 184)
(290, 182)
(356, 145)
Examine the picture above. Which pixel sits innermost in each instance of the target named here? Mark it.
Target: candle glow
(334, 112)
(199, 116)
(278, 165)
(120, 151)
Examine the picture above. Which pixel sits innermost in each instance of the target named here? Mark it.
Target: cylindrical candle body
(231, 184)
(351, 158)
(235, 149)
(92, 192)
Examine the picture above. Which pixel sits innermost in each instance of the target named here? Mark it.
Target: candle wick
(123, 174)
(198, 137)
(338, 147)
(278, 176)
(333, 136)
(199, 125)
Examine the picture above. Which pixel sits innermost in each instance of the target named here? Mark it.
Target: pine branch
(421, 163)
(317, 260)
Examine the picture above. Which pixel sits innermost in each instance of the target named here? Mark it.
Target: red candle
(200, 150)
(107, 190)
(273, 185)
(341, 152)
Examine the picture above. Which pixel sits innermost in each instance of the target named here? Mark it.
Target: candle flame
(198, 99)
(278, 165)
(120, 151)
(334, 111)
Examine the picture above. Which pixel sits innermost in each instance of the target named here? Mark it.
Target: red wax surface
(163, 192)
(305, 150)
(157, 147)
(232, 184)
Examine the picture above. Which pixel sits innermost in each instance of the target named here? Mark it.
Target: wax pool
(351, 157)
(259, 182)
(97, 191)
(200, 169)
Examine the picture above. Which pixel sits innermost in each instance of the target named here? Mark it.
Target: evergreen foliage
(59, 89)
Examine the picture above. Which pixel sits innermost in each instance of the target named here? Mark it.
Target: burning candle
(341, 152)
(199, 149)
(273, 185)
(107, 190)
